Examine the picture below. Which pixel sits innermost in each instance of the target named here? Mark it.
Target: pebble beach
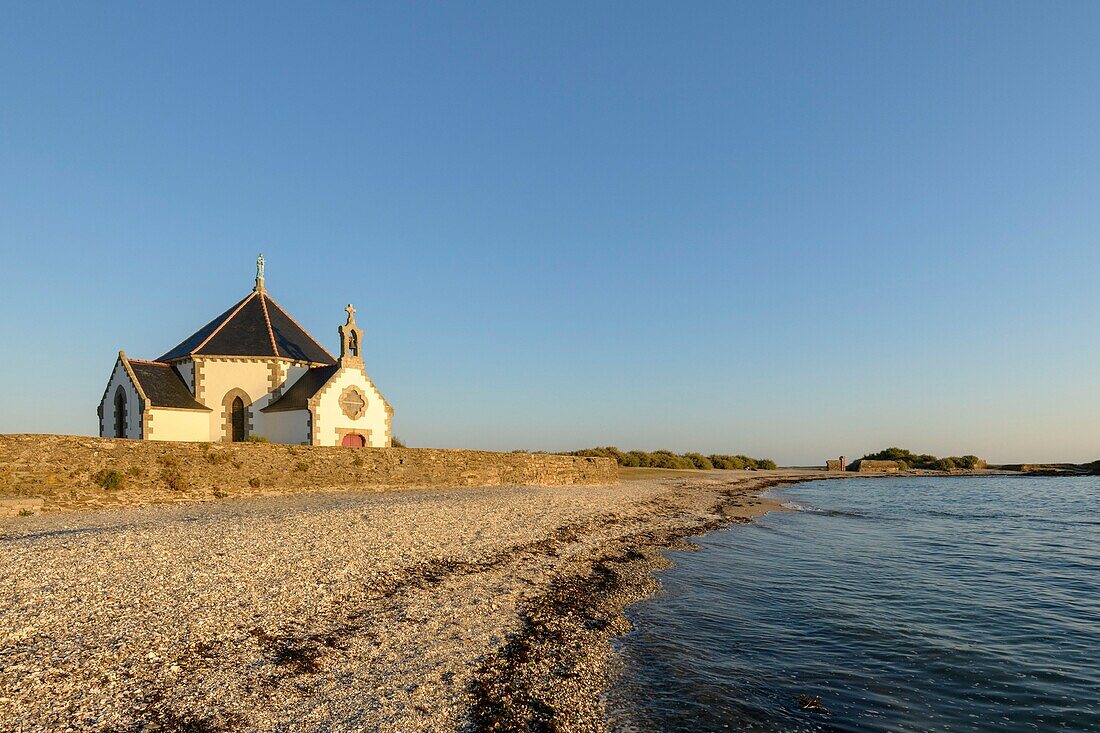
(460, 609)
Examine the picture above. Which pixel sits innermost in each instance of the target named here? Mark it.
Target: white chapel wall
(331, 418)
(220, 377)
(133, 405)
(185, 425)
(291, 374)
(186, 370)
(289, 426)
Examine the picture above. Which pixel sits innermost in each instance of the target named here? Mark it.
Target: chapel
(251, 373)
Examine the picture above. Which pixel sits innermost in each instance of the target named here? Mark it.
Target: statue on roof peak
(260, 272)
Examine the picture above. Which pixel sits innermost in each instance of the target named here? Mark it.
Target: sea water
(903, 604)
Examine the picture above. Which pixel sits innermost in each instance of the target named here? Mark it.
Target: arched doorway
(236, 420)
(354, 440)
(120, 413)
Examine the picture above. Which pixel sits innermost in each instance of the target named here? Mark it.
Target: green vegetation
(109, 479)
(217, 457)
(174, 479)
(668, 459)
(925, 460)
(302, 466)
(26, 513)
(397, 443)
(256, 439)
(254, 482)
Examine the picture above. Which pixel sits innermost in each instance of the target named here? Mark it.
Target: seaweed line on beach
(550, 676)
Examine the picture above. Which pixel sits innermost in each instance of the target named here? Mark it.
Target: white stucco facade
(291, 427)
(220, 379)
(132, 408)
(186, 370)
(164, 423)
(332, 423)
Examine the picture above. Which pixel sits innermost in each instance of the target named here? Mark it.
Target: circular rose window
(353, 403)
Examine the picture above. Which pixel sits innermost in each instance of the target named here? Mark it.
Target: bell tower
(351, 341)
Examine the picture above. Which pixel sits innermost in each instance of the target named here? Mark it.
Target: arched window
(236, 420)
(353, 344)
(120, 413)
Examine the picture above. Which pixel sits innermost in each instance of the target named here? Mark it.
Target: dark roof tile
(245, 334)
(297, 397)
(254, 326)
(293, 340)
(163, 386)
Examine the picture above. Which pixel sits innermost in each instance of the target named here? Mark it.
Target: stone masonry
(55, 472)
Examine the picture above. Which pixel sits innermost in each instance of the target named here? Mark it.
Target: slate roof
(297, 397)
(164, 386)
(254, 326)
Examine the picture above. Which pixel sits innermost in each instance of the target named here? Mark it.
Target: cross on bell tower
(351, 340)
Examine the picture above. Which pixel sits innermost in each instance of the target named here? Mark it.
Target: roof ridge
(229, 318)
(307, 333)
(267, 319)
(148, 361)
(133, 377)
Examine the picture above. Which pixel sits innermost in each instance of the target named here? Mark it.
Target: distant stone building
(838, 465)
(252, 371)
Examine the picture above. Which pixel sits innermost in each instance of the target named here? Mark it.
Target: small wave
(795, 506)
(980, 514)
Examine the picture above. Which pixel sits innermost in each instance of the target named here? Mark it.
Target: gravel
(398, 611)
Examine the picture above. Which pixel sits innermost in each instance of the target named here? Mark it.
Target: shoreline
(553, 674)
(459, 609)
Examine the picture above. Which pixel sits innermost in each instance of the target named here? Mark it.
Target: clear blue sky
(784, 229)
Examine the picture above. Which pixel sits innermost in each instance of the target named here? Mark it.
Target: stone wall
(52, 472)
(866, 466)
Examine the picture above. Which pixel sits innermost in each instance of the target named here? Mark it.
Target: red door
(353, 440)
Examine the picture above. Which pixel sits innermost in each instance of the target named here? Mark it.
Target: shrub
(219, 494)
(397, 443)
(357, 461)
(254, 482)
(168, 461)
(174, 479)
(668, 459)
(908, 459)
(26, 513)
(256, 439)
(699, 461)
(109, 479)
(218, 457)
(302, 466)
